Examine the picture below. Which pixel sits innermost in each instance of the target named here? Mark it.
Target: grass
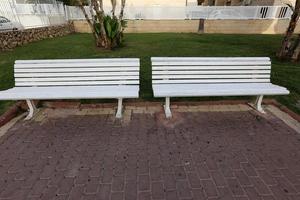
(144, 46)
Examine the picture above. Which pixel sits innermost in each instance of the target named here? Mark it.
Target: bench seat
(226, 89)
(70, 92)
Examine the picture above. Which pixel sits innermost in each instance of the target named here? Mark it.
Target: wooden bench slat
(93, 78)
(155, 59)
(210, 67)
(112, 69)
(180, 72)
(223, 89)
(67, 92)
(77, 83)
(235, 76)
(78, 74)
(76, 65)
(212, 63)
(185, 81)
(98, 60)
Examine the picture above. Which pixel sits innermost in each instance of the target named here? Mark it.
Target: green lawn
(145, 46)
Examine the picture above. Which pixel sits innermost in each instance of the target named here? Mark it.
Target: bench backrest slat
(169, 70)
(77, 72)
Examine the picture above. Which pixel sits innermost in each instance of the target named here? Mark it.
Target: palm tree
(107, 29)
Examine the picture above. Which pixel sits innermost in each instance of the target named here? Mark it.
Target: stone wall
(10, 40)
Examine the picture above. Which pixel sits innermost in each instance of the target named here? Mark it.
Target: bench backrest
(77, 72)
(176, 70)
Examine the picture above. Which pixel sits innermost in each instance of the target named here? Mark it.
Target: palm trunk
(113, 4)
(102, 40)
(296, 50)
(88, 20)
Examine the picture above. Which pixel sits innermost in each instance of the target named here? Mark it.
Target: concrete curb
(11, 113)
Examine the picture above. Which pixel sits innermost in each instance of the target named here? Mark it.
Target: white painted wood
(156, 59)
(217, 89)
(186, 81)
(79, 74)
(83, 69)
(205, 67)
(99, 60)
(77, 83)
(71, 92)
(210, 63)
(75, 65)
(192, 76)
(181, 72)
(91, 78)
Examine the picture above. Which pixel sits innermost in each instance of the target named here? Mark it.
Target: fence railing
(238, 12)
(54, 12)
(195, 12)
(35, 14)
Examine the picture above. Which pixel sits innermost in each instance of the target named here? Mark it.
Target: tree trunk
(123, 2)
(102, 40)
(285, 50)
(199, 2)
(88, 20)
(113, 5)
(296, 50)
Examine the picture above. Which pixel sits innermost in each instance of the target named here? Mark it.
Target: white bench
(74, 79)
(209, 76)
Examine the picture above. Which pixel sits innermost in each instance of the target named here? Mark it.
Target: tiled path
(200, 155)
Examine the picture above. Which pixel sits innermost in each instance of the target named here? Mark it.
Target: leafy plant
(112, 26)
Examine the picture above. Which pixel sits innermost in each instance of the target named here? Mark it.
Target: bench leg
(258, 103)
(119, 110)
(32, 109)
(167, 108)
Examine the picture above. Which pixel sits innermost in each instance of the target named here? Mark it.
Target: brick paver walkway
(208, 155)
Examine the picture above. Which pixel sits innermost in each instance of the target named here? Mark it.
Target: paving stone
(118, 183)
(143, 182)
(218, 178)
(157, 189)
(169, 181)
(130, 190)
(171, 195)
(260, 186)
(235, 187)
(194, 180)
(209, 188)
(144, 196)
(117, 196)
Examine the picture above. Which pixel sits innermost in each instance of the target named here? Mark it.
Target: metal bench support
(32, 109)
(119, 110)
(258, 103)
(167, 108)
